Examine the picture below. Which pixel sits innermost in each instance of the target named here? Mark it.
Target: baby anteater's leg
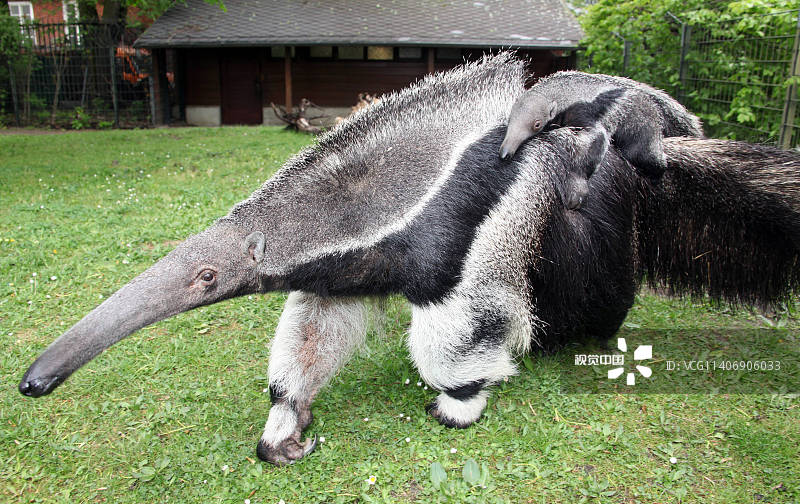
(591, 146)
(314, 338)
(638, 135)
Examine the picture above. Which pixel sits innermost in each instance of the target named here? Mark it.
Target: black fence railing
(79, 75)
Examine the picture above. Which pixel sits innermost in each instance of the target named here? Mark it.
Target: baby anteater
(635, 116)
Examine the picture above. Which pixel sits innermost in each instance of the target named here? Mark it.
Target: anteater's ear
(552, 113)
(254, 245)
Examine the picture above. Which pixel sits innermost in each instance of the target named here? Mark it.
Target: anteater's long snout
(38, 386)
(145, 300)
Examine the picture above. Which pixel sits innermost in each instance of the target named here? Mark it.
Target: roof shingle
(492, 23)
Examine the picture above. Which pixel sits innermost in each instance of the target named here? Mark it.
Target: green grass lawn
(173, 413)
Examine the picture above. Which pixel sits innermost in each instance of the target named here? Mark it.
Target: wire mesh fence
(739, 74)
(738, 77)
(79, 75)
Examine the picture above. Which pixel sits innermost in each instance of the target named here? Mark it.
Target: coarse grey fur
(409, 197)
(632, 114)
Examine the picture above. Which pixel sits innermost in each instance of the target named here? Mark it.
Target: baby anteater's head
(530, 114)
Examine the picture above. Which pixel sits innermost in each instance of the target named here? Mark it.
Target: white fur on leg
(461, 413)
(281, 424)
(314, 338)
(438, 343)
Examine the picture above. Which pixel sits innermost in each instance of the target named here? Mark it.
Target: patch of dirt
(409, 494)
(170, 243)
(32, 131)
(27, 336)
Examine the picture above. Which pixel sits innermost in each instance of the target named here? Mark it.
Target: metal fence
(740, 75)
(79, 75)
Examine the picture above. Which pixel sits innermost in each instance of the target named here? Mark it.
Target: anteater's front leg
(460, 348)
(314, 338)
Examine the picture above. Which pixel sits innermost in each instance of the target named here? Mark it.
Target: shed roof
(464, 23)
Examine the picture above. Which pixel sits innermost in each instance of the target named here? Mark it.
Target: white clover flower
(407, 381)
(246, 501)
(366, 419)
(453, 450)
(408, 440)
(225, 468)
(33, 274)
(673, 460)
(265, 390)
(53, 277)
(419, 384)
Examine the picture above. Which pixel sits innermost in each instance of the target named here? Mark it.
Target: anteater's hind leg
(460, 350)
(314, 338)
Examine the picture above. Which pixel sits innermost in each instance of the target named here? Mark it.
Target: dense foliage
(738, 59)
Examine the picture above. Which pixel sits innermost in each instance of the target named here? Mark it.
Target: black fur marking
(423, 261)
(276, 393)
(588, 114)
(466, 391)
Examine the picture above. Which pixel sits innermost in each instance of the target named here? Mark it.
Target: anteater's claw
(309, 445)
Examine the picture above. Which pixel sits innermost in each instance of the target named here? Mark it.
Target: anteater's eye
(537, 124)
(208, 277)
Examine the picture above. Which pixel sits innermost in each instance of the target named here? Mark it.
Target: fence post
(113, 65)
(626, 50)
(790, 103)
(686, 34)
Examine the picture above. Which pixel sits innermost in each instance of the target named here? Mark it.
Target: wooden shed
(228, 66)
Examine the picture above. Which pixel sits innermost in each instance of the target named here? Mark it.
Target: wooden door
(241, 88)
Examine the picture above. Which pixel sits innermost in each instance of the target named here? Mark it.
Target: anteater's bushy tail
(724, 221)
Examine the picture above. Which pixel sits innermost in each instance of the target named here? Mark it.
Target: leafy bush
(736, 62)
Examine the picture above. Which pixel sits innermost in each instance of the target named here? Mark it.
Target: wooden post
(431, 53)
(287, 78)
(160, 91)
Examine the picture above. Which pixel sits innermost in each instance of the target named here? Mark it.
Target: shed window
(409, 53)
(383, 53)
(321, 51)
(351, 52)
(448, 53)
(279, 51)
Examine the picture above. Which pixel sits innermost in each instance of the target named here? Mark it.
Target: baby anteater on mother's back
(635, 116)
